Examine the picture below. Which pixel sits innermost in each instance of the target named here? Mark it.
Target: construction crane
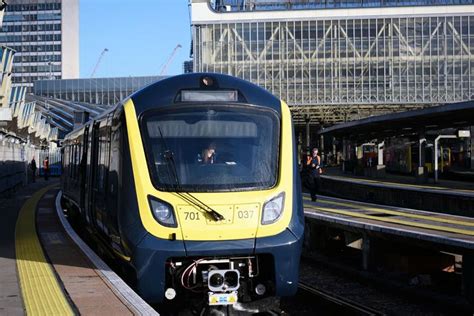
(164, 68)
(98, 62)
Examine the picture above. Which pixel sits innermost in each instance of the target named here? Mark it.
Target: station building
(340, 60)
(45, 36)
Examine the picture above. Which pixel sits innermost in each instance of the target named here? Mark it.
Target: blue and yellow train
(193, 183)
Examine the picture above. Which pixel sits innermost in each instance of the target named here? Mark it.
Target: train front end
(216, 189)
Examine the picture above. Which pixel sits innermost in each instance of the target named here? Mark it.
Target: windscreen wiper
(188, 197)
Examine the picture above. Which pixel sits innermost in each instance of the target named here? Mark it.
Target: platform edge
(126, 294)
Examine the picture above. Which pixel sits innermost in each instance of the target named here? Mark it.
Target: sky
(140, 36)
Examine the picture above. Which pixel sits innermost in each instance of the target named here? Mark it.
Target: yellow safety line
(382, 210)
(404, 184)
(395, 221)
(42, 294)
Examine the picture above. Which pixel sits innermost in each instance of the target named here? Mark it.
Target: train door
(113, 198)
(83, 167)
(65, 162)
(99, 186)
(90, 169)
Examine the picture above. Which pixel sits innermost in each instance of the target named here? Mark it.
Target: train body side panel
(148, 253)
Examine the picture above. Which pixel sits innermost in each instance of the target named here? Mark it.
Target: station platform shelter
(435, 142)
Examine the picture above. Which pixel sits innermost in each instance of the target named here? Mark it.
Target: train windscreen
(205, 149)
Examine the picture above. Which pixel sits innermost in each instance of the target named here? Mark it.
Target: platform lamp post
(436, 154)
(421, 161)
(471, 145)
(380, 168)
(307, 120)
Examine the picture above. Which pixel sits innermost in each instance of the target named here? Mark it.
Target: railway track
(339, 304)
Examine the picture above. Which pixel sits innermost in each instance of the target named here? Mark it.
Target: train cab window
(213, 148)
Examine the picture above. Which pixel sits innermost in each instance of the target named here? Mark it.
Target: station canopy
(454, 115)
(60, 113)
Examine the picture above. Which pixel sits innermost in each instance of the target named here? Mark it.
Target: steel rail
(356, 307)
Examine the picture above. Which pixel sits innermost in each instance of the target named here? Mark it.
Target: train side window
(73, 153)
(76, 164)
(74, 161)
(106, 157)
(101, 164)
(66, 160)
(103, 158)
(76, 156)
(114, 160)
(98, 160)
(79, 161)
(71, 160)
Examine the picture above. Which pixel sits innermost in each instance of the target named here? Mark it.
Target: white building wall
(201, 13)
(70, 39)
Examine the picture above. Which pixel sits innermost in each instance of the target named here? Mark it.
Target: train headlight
(162, 212)
(216, 280)
(223, 280)
(272, 209)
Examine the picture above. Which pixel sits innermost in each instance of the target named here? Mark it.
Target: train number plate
(222, 298)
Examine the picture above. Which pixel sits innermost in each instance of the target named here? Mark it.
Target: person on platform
(46, 168)
(33, 169)
(314, 164)
(305, 154)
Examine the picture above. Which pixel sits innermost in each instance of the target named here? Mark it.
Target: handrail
(223, 6)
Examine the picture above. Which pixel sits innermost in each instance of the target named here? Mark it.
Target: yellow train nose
(240, 221)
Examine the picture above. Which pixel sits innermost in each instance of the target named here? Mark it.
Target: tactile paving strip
(41, 291)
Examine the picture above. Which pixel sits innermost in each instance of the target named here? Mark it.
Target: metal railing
(274, 5)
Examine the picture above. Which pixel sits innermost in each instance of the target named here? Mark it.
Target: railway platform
(455, 233)
(443, 184)
(447, 196)
(421, 241)
(45, 269)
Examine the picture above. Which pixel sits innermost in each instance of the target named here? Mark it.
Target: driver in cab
(208, 155)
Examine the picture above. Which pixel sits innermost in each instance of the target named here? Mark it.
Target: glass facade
(365, 64)
(272, 5)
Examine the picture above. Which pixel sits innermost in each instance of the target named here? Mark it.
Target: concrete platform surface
(449, 197)
(455, 232)
(43, 269)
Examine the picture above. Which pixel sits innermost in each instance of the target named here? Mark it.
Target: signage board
(464, 133)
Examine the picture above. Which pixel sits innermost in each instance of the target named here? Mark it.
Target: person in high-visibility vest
(46, 168)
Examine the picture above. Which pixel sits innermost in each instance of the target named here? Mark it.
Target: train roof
(164, 92)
